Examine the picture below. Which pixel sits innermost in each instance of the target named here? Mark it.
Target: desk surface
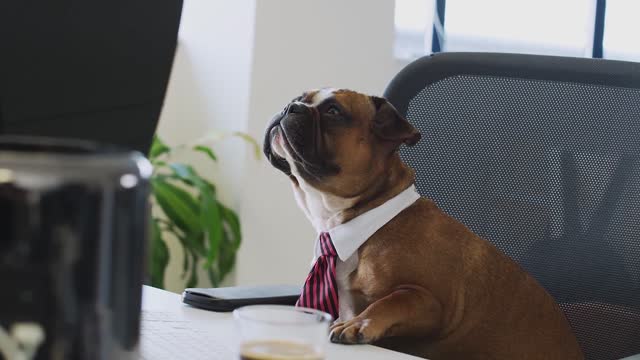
(160, 304)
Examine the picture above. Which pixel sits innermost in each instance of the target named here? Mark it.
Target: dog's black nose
(297, 108)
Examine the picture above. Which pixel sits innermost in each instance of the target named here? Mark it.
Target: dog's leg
(409, 310)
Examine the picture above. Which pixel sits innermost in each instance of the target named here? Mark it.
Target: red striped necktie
(321, 289)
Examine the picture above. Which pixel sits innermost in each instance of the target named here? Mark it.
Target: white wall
(237, 64)
(299, 45)
(209, 90)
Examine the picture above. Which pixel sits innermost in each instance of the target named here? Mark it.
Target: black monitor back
(85, 69)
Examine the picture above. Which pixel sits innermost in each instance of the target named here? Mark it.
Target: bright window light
(549, 27)
(621, 30)
(413, 25)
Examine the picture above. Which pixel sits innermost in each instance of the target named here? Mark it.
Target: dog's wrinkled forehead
(317, 97)
(354, 102)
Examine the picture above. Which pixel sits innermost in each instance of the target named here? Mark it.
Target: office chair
(540, 156)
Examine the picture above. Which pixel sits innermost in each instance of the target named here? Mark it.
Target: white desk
(159, 303)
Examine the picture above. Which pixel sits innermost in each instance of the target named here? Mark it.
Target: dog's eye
(333, 110)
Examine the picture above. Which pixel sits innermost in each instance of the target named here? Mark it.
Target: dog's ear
(389, 125)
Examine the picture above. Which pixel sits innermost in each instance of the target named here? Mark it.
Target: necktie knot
(326, 245)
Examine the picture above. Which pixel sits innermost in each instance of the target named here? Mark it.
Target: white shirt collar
(348, 237)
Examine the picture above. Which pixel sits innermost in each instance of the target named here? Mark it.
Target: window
(621, 30)
(520, 26)
(413, 24)
(548, 27)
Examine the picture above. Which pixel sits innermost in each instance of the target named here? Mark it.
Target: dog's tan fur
(424, 284)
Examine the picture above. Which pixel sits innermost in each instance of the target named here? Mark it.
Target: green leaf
(232, 220)
(210, 220)
(159, 256)
(158, 164)
(188, 175)
(180, 207)
(195, 243)
(158, 147)
(189, 245)
(193, 279)
(184, 171)
(227, 257)
(206, 150)
(185, 262)
(257, 150)
(214, 276)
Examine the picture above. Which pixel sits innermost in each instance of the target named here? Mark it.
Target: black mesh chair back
(540, 156)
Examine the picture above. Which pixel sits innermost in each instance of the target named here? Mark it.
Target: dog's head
(336, 140)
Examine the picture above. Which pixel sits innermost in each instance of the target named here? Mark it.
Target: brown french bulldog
(424, 284)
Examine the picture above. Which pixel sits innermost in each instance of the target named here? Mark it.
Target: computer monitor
(86, 69)
(73, 251)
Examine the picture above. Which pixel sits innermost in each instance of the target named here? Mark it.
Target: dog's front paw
(355, 331)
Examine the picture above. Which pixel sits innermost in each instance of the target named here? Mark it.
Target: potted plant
(187, 207)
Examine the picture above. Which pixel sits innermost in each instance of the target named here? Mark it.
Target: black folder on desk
(230, 298)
